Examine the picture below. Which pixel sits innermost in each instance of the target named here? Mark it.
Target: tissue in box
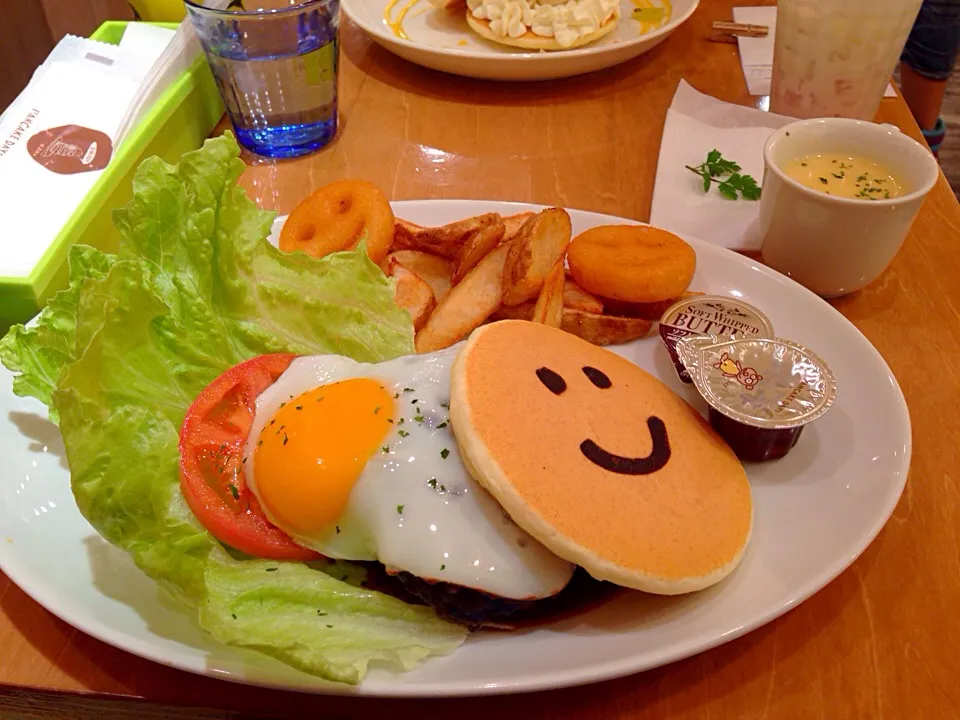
(60, 175)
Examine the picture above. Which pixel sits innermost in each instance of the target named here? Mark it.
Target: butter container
(762, 392)
(710, 315)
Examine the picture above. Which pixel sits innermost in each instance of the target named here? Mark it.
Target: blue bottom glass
(277, 74)
(287, 141)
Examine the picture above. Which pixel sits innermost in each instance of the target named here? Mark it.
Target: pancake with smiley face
(599, 460)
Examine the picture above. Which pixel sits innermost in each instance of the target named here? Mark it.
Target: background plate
(443, 41)
(815, 512)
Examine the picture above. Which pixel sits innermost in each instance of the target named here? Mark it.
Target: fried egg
(359, 462)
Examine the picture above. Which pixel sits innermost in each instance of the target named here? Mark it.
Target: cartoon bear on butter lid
(599, 460)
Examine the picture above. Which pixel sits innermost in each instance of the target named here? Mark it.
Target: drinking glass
(834, 58)
(275, 62)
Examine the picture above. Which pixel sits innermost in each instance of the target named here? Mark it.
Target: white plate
(443, 41)
(815, 512)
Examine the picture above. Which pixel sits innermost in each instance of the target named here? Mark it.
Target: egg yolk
(314, 448)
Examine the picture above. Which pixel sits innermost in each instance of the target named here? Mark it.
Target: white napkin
(140, 47)
(756, 54)
(696, 124)
(176, 58)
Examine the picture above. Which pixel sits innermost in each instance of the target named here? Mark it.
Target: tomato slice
(212, 441)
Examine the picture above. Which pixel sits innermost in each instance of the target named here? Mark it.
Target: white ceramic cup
(835, 245)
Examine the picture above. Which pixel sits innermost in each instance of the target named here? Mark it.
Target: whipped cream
(566, 21)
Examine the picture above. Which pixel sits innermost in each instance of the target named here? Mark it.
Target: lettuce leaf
(119, 356)
(40, 352)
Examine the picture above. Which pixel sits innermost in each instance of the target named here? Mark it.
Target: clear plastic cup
(834, 58)
(275, 62)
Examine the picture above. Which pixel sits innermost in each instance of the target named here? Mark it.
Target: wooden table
(883, 640)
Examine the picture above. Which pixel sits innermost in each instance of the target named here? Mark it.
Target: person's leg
(928, 61)
(924, 96)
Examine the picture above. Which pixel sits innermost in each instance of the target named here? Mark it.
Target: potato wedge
(403, 233)
(604, 329)
(523, 311)
(469, 303)
(513, 223)
(539, 245)
(475, 247)
(646, 311)
(445, 240)
(412, 294)
(549, 307)
(434, 270)
(577, 298)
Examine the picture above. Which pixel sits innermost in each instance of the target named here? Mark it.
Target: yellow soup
(847, 176)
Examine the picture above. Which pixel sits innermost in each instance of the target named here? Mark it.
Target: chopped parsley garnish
(376, 410)
(823, 180)
(408, 389)
(862, 178)
(273, 421)
(299, 407)
(418, 418)
(433, 483)
(244, 461)
(321, 613)
(400, 509)
(443, 567)
(329, 626)
(338, 529)
(390, 420)
(285, 439)
(414, 401)
(400, 421)
(233, 615)
(259, 443)
(445, 406)
(283, 404)
(444, 453)
(234, 491)
(385, 448)
(844, 166)
(396, 395)
(402, 433)
(840, 176)
(442, 425)
(272, 569)
(803, 164)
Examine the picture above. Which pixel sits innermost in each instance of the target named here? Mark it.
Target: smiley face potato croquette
(598, 460)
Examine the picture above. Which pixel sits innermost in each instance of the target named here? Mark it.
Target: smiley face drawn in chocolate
(655, 461)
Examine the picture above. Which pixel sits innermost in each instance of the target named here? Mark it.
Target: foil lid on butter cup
(763, 382)
(710, 315)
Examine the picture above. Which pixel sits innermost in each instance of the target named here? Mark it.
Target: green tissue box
(180, 121)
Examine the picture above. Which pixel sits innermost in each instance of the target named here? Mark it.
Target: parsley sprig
(731, 184)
